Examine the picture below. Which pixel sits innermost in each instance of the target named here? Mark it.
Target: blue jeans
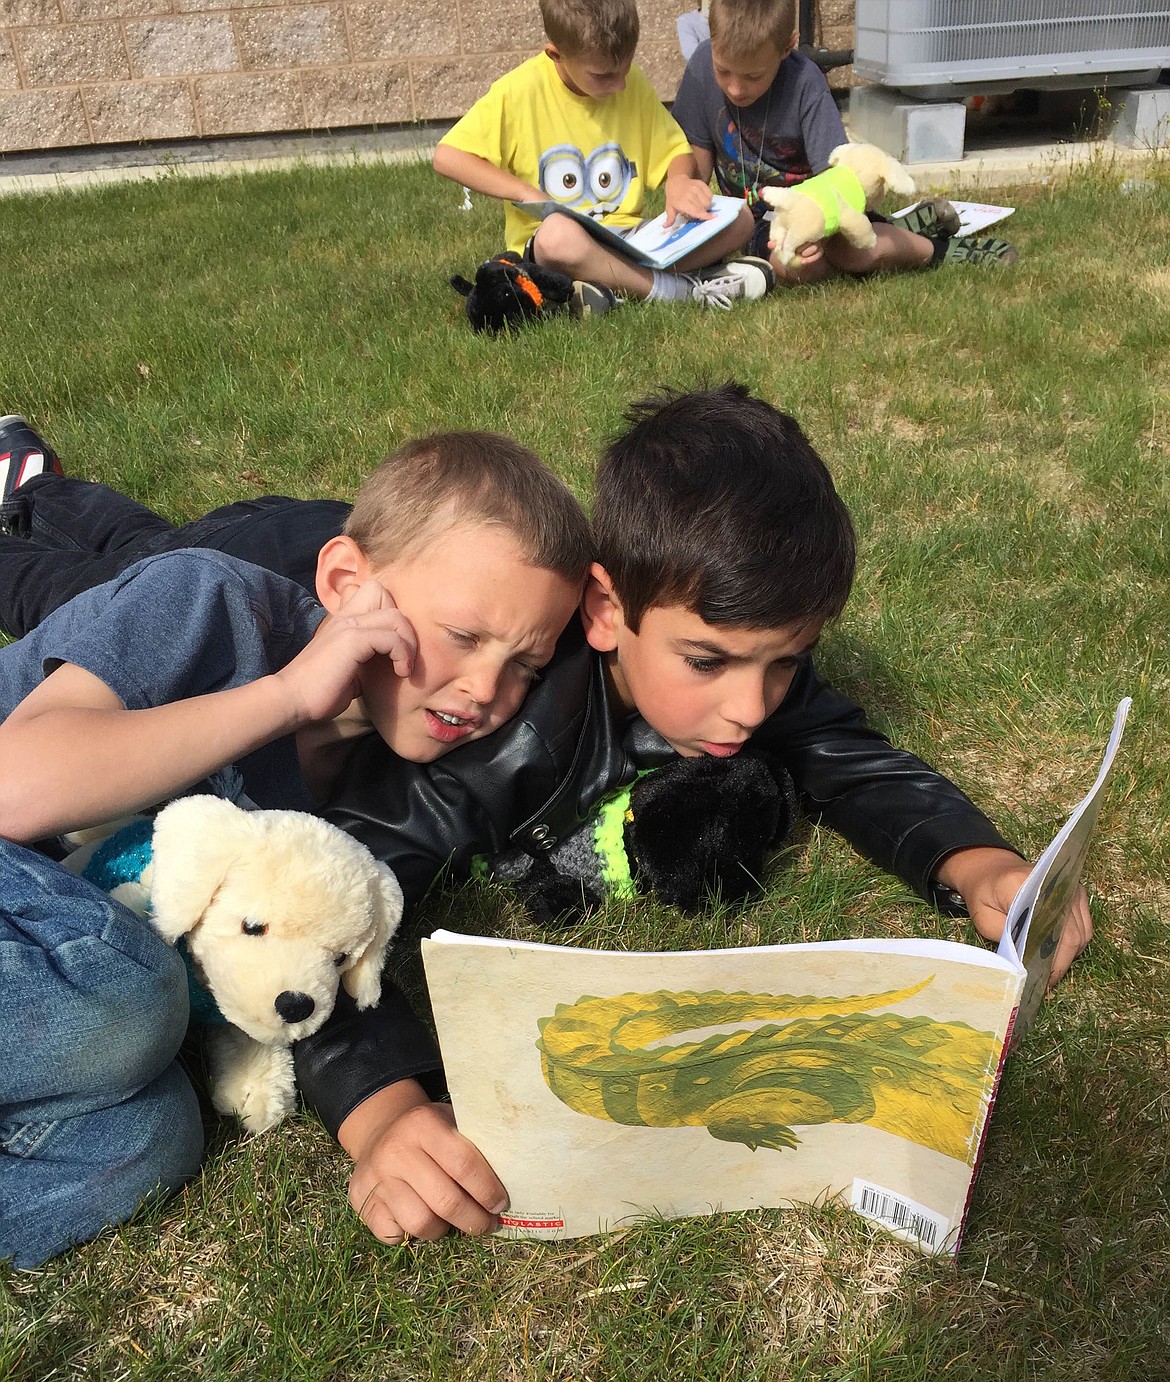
(95, 1116)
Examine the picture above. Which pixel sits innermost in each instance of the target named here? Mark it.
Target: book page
(604, 1087)
(1036, 916)
(668, 244)
(652, 244)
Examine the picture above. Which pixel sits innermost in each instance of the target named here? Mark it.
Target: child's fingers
(422, 1201)
(371, 609)
(379, 1218)
(448, 1174)
(482, 1193)
(386, 1206)
(424, 1177)
(400, 647)
(369, 595)
(1074, 937)
(695, 201)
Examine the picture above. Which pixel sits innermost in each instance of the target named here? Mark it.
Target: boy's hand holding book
(988, 880)
(415, 1175)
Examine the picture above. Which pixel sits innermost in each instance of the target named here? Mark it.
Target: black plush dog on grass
(509, 291)
(692, 829)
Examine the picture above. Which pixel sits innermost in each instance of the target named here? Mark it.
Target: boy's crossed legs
(701, 276)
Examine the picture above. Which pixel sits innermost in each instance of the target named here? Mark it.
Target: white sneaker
(720, 285)
(758, 275)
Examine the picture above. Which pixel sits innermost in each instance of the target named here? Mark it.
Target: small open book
(653, 244)
(605, 1087)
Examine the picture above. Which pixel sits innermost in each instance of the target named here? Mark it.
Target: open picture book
(653, 244)
(605, 1087)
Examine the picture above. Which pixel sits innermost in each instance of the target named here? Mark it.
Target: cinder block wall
(78, 72)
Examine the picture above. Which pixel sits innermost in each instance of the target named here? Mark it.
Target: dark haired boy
(723, 548)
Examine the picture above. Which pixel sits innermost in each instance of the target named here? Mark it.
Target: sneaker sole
(589, 300)
(981, 256)
(933, 223)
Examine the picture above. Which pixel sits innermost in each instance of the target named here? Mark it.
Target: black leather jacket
(534, 781)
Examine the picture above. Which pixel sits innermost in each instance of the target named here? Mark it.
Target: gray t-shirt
(783, 138)
(183, 624)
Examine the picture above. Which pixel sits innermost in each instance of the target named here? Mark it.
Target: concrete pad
(57, 170)
(1036, 165)
(1142, 119)
(911, 130)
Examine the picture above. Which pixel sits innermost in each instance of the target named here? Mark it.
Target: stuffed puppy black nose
(293, 1007)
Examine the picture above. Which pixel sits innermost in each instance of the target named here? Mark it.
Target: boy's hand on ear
(372, 604)
(323, 678)
(988, 880)
(415, 1175)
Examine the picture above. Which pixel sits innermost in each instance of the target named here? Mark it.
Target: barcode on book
(900, 1215)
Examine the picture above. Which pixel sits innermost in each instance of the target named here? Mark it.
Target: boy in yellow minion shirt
(580, 125)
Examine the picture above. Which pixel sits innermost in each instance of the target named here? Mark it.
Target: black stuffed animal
(509, 291)
(693, 828)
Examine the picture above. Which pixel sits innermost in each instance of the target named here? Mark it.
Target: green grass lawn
(1003, 441)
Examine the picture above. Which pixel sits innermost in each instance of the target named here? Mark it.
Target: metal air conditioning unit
(939, 49)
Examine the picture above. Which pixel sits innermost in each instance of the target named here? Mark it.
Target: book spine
(978, 1162)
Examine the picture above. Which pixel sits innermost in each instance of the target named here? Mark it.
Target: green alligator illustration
(816, 1060)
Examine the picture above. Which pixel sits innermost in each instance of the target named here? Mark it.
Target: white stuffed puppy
(858, 177)
(275, 909)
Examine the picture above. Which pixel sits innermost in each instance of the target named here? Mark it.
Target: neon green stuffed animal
(835, 202)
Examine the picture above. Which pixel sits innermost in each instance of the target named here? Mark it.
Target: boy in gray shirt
(760, 114)
(436, 608)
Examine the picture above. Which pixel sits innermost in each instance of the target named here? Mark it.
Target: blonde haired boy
(462, 562)
(758, 113)
(579, 124)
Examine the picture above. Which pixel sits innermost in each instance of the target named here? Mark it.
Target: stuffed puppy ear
(897, 179)
(196, 841)
(363, 979)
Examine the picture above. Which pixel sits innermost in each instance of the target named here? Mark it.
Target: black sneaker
(23, 454)
(591, 299)
(932, 217)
